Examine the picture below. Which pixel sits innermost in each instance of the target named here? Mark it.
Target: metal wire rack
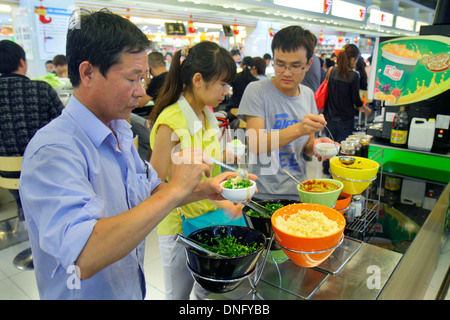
(363, 226)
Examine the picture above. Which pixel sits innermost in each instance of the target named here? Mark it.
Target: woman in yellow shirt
(198, 78)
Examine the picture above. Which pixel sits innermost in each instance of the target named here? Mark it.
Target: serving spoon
(347, 160)
(242, 172)
(293, 178)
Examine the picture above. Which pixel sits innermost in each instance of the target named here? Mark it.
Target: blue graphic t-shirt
(262, 99)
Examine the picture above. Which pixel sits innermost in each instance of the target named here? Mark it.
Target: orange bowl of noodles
(308, 233)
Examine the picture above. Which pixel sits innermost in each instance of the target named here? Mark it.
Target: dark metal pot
(264, 224)
(219, 285)
(225, 268)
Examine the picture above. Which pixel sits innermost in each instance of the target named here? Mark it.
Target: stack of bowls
(217, 274)
(308, 252)
(343, 204)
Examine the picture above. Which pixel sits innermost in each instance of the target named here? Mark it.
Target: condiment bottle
(399, 133)
(392, 186)
(347, 148)
(365, 141)
(357, 141)
(357, 201)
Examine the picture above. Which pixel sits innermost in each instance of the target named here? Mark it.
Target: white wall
(259, 41)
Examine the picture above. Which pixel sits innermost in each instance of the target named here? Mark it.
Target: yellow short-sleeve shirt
(182, 120)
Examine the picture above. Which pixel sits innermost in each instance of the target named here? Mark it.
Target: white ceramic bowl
(238, 195)
(327, 149)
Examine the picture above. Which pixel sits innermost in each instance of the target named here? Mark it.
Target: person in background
(329, 63)
(268, 59)
(236, 54)
(333, 58)
(323, 57)
(313, 78)
(158, 71)
(343, 97)
(60, 63)
(25, 106)
(259, 70)
(89, 200)
(281, 116)
(361, 69)
(181, 118)
(49, 66)
(269, 67)
(139, 117)
(168, 59)
(241, 81)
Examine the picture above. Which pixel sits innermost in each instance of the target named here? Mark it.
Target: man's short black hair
(235, 52)
(156, 59)
(101, 38)
(59, 60)
(10, 55)
(293, 38)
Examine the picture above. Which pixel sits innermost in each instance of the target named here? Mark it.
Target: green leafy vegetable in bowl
(229, 246)
(271, 207)
(233, 184)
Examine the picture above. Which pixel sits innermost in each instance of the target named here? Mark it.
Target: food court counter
(356, 270)
(433, 165)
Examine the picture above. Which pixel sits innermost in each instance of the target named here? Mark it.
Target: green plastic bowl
(328, 198)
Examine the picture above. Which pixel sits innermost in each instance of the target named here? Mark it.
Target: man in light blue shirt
(88, 198)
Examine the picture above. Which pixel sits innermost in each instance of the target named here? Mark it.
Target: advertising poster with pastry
(412, 69)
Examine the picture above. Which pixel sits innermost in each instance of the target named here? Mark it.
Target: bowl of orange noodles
(320, 191)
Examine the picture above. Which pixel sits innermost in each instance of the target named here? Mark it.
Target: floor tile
(10, 291)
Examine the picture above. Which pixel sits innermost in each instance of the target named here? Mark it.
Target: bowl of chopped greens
(237, 189)
(259, 222)
(242, 247)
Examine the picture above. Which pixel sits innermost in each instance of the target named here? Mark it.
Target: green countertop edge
(414, 164)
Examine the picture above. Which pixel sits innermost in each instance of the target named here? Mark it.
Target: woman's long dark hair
(247, 64)
(207, 58)
(343, 60)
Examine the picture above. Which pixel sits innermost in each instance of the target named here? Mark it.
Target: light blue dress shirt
(72, 175)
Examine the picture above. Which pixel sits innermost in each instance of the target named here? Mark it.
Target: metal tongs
(190, 243)
(258, 208)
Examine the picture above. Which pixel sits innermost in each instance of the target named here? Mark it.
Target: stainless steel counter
(355, 271)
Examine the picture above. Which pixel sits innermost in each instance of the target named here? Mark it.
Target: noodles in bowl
(307, 224)
(308, 233)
